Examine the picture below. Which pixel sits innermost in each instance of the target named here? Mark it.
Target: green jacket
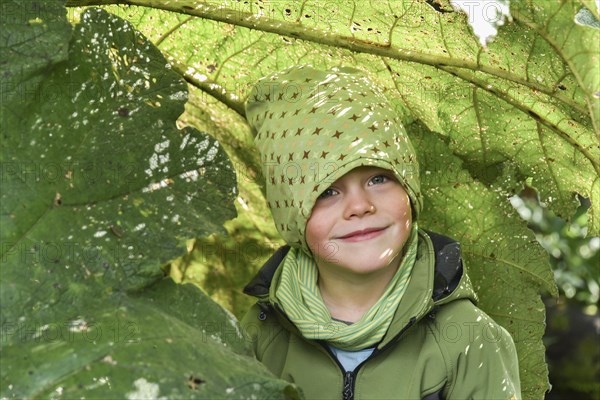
(439, 345)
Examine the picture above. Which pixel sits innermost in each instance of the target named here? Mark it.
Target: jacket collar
(261, 283)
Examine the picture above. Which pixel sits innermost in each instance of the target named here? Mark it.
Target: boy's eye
(327, 193)
(379, 179)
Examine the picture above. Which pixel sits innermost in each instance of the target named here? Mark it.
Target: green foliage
(99, 189)
(506, 267)
(582, 373)
(573, 351)
(574, 256)
(484, 121)
(223, 264)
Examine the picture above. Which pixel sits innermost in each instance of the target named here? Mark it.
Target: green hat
(312, 127)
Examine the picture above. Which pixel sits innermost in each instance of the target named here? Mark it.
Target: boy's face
(360, 223)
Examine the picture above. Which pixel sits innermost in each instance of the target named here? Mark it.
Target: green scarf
(298, 294)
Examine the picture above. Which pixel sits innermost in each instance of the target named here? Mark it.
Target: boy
(362, 304)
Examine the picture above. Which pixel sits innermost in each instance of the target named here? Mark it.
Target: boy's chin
(359, 266)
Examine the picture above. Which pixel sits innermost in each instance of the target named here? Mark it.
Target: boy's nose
(358, 204)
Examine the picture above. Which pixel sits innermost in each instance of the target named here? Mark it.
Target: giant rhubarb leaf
(99, 190)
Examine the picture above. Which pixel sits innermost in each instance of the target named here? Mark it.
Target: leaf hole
(437, 6)
(194, 381)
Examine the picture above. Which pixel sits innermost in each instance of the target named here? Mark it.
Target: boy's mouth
(363, 234)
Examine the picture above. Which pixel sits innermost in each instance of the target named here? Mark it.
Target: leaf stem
(210, 87)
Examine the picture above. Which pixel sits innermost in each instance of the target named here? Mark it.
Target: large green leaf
(169, 341)
(99, 190)
(223, 264)
(507, 278)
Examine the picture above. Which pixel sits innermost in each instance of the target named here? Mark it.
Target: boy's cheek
(327, 251)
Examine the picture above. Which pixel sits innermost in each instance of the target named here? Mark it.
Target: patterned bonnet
(312, 127)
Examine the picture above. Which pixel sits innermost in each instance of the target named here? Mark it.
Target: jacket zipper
(350, 376)
(348, 390)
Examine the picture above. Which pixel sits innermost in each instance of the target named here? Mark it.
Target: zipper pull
(348, 392)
